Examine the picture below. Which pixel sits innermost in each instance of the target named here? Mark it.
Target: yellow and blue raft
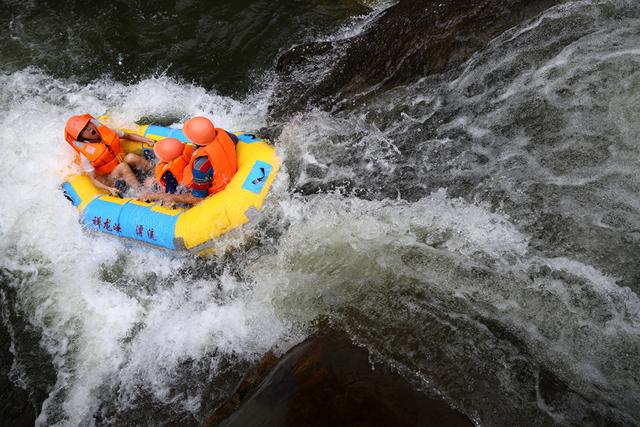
(193, 229)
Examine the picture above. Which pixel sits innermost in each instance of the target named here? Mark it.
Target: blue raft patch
(166, 133)
(248, 138)
(257, 177)
(131, 220)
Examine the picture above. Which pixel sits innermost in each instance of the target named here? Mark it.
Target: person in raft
(173, 157)
(211, 166)
(101, 156)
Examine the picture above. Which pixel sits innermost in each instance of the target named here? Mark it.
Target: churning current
(478, 230)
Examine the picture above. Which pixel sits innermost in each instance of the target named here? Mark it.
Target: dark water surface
(475, 224)
(222, 44)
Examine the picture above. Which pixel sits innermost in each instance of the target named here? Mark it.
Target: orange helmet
(168, 149)
(74, 126)
(199, 130)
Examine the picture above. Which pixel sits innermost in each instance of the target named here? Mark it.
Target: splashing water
(109, 313)
(512, 293)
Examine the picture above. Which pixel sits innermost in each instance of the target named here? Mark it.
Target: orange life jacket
(175, 166)
(104, 155)
(222, 155)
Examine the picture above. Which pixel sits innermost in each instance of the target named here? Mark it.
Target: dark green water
(222, 45)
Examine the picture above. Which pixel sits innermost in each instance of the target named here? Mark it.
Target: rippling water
(478, 229)
(222, 45)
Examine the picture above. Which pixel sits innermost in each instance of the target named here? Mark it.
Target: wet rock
(411, 39)
(329, 381)
(249, 382)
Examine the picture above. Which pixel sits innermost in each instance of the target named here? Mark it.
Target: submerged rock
(411, 39)
(327, 380)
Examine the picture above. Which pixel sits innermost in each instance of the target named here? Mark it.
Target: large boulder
(328, 381)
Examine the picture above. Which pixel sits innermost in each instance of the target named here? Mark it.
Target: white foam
(335, 251)
(85, 318)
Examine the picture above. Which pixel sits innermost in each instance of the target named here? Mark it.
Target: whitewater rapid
(67, 280)
(468, 229)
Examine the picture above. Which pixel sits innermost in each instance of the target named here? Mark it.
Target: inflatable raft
(193, 229)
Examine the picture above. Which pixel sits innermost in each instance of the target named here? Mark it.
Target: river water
(478, 229)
